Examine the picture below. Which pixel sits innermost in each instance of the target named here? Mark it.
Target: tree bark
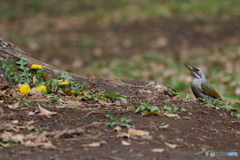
(131, 88)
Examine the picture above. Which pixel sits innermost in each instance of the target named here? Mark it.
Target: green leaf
(9, 146)
(237, 115)
(126, 125)
(113, 95)
(110, 116)
(187, 118)
(125, 119)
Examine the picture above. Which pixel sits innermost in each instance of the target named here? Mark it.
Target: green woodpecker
(200, 87)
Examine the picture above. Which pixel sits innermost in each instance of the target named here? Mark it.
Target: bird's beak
(189, 67)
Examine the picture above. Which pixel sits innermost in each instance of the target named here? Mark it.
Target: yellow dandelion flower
(64, 83)
(25, 89)
(36, 66)
(42, 88)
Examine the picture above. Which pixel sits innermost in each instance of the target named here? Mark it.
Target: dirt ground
(193, 133)
(206, 127)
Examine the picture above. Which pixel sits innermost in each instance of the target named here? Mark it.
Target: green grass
(120, 10)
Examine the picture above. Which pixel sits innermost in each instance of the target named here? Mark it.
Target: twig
(94, 123)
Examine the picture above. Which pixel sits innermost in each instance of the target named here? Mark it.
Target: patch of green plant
(89, 42)
(146, 108)
(173, 108)
(38, 131)
(9, 140)
(26, 75)
(114, 95)
(187, 118)
(118, 122)
(21, 65)
(181, 96)
(205, 151)
(217, 102)
(10, 70)
(25, 101)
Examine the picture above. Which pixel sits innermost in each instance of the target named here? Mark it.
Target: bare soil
(208, 126)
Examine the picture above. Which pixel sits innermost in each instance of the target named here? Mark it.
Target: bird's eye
(196, 69)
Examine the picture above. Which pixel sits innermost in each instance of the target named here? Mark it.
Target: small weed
(117, 122)
(9, 140)
(173, 108)
(113, 95)
(180, 96)
(25, 101)
(38, 131)
(205, 151)
(145, 108)
(218, 103)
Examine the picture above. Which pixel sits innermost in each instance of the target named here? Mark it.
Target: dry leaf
(44, 112)
(154, 112)
(45, 145)
(14, 106)
(165, 126)
(3, 93)
(105, 103)
(117, 128)
(172, 146)
(74, 103)
(30, 122)
(171, 115)
(67, 92)
(134, 132)
(3, 85)
(126, 143)
(34, 79)
(95, 144)
(14, 121)
(123, 135)
(35, 93)
(160, 150)
(46, 76)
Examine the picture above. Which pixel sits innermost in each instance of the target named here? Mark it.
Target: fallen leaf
(123, 135)
(3, 85)
(157, 112)
(171, 115)
(14, 121)
(14, 106)
(134, 132)
(35, 93)
(31, 113)
(165, 126)
(117, 128)
(172, 146)
(34, 79)
(74, 103)
(44, 112)
(160, 150)
(45, 145)
(67, 92)
(30, 122)
(3, 93)
(94, 144)
(126, 143)
(46, 76)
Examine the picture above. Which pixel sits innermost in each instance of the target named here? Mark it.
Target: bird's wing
(209, 90)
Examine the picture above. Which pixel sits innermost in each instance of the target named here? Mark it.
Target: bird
(200, 86)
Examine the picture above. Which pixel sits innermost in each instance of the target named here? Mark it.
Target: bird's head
(197, 72)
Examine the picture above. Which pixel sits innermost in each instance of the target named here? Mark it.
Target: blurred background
(132, 39)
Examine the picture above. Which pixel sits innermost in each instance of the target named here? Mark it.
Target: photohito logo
(212, 154)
